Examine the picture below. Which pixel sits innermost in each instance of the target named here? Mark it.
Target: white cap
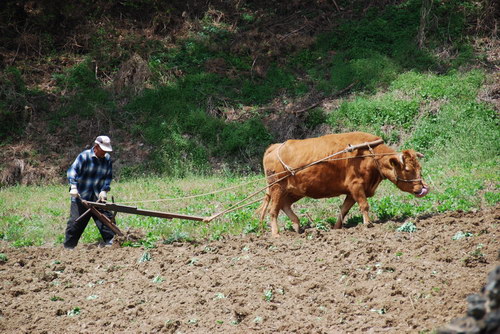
(104, 143)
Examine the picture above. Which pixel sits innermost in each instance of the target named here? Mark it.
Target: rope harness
(396, 176)
(349, 148)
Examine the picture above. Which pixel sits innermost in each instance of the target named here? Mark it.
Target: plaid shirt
(91, 174)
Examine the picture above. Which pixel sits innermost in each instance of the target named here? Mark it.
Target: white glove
(73, 191)
(103, 196)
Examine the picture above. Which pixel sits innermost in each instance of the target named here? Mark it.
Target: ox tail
(262, 210)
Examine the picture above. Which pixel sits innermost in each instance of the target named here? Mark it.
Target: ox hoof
(275, 235)
(370, 225)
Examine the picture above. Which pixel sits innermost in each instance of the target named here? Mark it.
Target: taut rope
(350, 148)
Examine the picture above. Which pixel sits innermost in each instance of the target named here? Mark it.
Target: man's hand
(103, 196)
(73, 191)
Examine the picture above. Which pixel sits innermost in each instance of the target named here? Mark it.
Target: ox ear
(397, 160)
(419, 155)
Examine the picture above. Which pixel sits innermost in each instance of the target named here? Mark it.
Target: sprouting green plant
(258, 320)
(56, 298)
(3, 257)
(477, 252)
(193, 261)
(268, 295)
(288, 225)
(158, 279)
(436, 289)
(219, 295)
(460, 235)
(322, 226)
(379, 311)
(399, 254)
(146, 256)
(148, 243)
(74, 311)
(407, 227)
(177, 236)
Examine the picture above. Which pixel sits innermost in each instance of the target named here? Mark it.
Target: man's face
(99, 152)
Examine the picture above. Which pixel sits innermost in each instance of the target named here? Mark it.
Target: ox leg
(287, 208)
(273, 214)
(346, 206)
(360, 197)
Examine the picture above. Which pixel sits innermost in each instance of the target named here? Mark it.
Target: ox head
(407, 173)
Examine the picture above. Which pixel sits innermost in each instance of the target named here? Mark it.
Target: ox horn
(400, 157)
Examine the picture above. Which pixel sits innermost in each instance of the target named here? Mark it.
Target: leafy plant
(268, 295)
(146, 256)
(407, 227)
(219, 295)
(461, 235)
(73, 312)
(379, 311)
(177, 236)
(158, 279)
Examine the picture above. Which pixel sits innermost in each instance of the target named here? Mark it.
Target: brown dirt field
(356, 280)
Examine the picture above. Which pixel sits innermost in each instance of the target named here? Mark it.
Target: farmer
(89, 177)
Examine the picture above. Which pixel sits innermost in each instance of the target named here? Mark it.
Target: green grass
(37, 215)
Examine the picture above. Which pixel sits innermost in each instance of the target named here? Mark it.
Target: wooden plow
(94, 207)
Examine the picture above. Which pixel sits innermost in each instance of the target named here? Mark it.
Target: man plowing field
(90, 178)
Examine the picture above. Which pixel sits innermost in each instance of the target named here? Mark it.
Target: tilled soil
(357, 280)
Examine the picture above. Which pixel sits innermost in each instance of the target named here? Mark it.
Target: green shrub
(84, 94)
(315, 117)
(15, 103)
(277, 80)
(249, 137)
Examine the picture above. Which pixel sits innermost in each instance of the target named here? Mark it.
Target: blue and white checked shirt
(91, 174)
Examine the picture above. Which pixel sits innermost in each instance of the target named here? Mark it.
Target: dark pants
(75, 230)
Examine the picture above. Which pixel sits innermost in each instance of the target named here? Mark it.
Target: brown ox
(355, 174)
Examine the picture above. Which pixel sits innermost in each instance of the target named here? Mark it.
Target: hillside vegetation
(189, 90)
